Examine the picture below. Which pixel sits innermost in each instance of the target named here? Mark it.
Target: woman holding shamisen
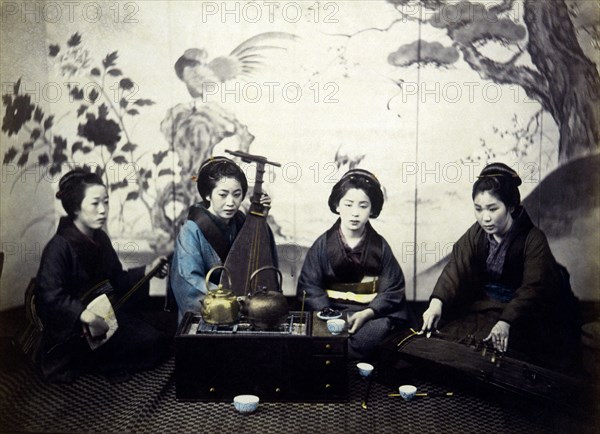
(77, 258)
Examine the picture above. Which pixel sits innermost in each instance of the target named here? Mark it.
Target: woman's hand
(95, 324)
(431, 317)
(265, 201)
(357, 319)
(162, 271)
(499, 336)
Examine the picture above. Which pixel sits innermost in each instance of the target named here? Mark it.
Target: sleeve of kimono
(190, 266)
(390, 299)
(457, 272)
(125, 279)
(537, 272)
(122, 280)
(312, 277)
(58, 308)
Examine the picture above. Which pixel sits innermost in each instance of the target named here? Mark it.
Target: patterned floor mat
(147, 403)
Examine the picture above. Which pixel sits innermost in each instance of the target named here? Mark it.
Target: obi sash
(497, 292)
(360, 292)
(355, 270)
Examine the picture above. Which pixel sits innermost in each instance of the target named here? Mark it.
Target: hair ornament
(500, 171)
(498, 175)
(210, 161)
(361, 179)
(367, 176)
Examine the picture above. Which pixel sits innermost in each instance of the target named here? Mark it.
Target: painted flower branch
(101, 119)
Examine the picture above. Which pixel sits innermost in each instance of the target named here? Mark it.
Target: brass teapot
(220, 306)
(266, 309)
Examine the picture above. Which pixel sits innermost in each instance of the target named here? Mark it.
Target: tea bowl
(336, 326)
(407, 392)
(246, 404)
(364, 369)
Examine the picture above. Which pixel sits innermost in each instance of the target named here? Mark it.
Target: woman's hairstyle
(360, 179)
(500, 181)
(71, 189)
(212, 171)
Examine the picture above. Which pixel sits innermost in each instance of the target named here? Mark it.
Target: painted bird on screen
(194, 69)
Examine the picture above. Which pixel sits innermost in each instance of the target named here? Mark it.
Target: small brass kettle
(220, 306)
(266, 309)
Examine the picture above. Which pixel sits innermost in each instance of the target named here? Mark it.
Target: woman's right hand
(95, 324)
(162, 271)
(432, 315)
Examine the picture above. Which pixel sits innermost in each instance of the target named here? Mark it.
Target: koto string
(417, 156)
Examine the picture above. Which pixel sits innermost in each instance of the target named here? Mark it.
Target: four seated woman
(501, 281)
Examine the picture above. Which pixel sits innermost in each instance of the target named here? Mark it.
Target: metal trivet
(296, 324)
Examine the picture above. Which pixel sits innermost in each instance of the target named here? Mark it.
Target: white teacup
(336, 326)
(246, 404)
(407, 392)
(364, 369)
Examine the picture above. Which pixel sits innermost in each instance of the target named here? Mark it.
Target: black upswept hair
(71, 189)
(212, 171)
(500, 181)
(360, 179)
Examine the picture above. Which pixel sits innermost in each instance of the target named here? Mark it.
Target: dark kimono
(529, 292)
(71, 264)
(330, 263)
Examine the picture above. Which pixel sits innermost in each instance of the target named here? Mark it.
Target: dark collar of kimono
(220, 235)
(521, 226)
(369, 251)
(89, 251)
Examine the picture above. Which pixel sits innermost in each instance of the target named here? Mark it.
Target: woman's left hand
(357, 319)
(499, 336)
(162, 271)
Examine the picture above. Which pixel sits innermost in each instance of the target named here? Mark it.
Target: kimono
(530, 291)
(203, 242)
(71, 264)
(331, 277)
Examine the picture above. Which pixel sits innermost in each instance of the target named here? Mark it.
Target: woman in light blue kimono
(206, 237)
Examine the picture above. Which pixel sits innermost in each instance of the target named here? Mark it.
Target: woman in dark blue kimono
(502, 283)
(77, 258)
(352, 268)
